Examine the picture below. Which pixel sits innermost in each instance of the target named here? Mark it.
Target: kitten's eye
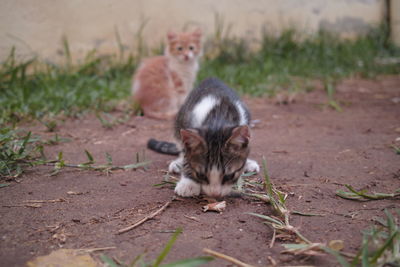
(191, 47)
(201, 176)
(179, 48)
(228, 177)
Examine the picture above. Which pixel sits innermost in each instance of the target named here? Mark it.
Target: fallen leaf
(64, 258)
(216, 206)
(192, 218)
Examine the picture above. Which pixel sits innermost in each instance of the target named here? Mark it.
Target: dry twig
(45, 201)
(226, 257)
(191, 218)
(90, 250)
(148, 217)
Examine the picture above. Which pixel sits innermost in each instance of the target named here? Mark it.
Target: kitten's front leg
(187, 187)
(251, 166)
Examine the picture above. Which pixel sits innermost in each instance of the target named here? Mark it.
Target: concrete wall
(395, 21)
(37, 26)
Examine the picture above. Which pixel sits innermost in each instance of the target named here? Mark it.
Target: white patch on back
(202, 109)
(242, 113)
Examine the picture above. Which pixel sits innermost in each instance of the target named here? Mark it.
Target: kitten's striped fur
(212, 126)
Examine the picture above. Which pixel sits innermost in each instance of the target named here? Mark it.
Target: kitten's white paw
(251, 166)
(176, 165)
(187, 188)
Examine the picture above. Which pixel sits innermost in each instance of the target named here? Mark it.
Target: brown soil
(311, 152)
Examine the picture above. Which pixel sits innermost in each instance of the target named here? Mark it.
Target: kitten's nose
(186, 57)
(215, 194)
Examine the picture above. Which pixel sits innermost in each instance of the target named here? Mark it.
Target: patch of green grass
(289, 61)
(380, 245)
(18, 151)
(35, 89)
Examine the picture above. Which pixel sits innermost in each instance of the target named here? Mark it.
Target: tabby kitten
(162, 83)
(213, 129)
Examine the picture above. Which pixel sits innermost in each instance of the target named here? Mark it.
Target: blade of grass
(268, 218)
(306, 214)
(136, 165)
(189, 262)
(89, 156)
(362, 196)
(382, 249)
(108, 261)
(167, 248)
(226, 257)
(396, 149)
(337, 255)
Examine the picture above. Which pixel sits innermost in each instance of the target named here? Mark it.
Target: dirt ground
(311, 151)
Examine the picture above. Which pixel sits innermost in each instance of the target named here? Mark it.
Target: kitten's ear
(240, 138)
(192, 141)
(171, 36)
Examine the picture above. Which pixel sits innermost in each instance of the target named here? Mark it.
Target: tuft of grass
(277, 199)
(60, 164)
(138, 261)
(380, 245)
(396, 149)
(168, 179)
(33, 89)
(330, 91)
(55, 140)
(286, 62)
(18, 151)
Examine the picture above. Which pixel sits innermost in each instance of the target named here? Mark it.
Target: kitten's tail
(163, 147)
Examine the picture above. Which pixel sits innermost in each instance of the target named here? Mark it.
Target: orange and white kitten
(162, 83)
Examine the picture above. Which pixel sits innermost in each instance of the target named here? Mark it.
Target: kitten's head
(185, 47)
(216, 161)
